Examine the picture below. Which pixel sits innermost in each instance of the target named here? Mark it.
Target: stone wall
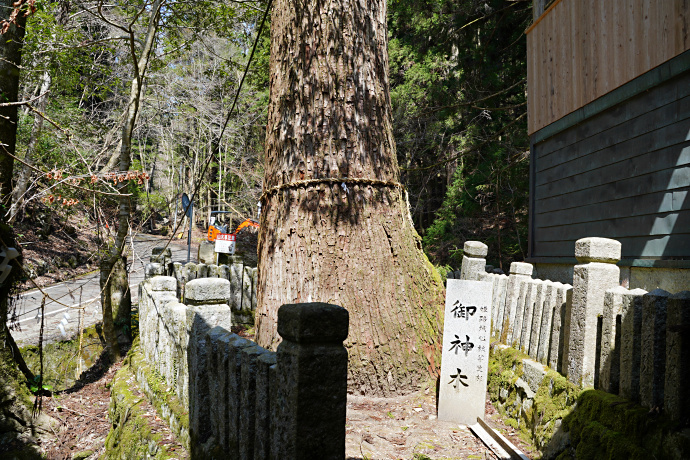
(631, 343)
(242, 278)
(244, 401)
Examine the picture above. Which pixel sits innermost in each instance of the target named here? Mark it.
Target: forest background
(458, 91)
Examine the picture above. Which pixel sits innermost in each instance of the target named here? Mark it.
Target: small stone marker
(465, 356)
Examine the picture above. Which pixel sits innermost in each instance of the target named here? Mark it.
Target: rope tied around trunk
(331, 180)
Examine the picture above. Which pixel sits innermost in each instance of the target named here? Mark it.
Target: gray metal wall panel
(623, 173)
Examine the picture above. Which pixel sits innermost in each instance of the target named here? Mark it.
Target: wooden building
(609, 124)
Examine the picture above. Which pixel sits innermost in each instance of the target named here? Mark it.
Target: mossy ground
(607, 426)
(133, 434)
(599, 425)
(63, 362)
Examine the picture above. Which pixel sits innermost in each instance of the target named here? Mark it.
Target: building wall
(579, 50)
(618, 168)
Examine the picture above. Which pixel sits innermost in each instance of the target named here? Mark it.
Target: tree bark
(18, 428)
(25, 171)
(20, 187)
(115, 298)
(10, 60)
(350, 242)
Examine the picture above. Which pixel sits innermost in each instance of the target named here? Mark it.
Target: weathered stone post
(653, 353)
(520, 272)
(263, 409)
(473, 260)
(163, 256)
(631, 344)
(609, 360)
(596, 274)
(560, 327)
(498, 304)
(249, 367)
(206, 301)
(676, 395)
(535, 338)
(312, 375)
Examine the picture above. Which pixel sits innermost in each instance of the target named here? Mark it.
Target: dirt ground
(407, 428)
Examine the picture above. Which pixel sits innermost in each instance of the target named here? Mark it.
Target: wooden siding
(579, 50)
(623, 173)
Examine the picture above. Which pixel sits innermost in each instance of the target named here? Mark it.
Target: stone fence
(595, 332)
(245, 401)
(242, 278)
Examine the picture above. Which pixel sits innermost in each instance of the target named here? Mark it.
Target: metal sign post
(188, 207)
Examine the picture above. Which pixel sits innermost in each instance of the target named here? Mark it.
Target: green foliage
(458, 71)
(37, 385)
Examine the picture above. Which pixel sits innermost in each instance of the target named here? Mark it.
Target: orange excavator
(215, 230)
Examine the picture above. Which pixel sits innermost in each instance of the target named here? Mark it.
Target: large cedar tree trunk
(348, 241)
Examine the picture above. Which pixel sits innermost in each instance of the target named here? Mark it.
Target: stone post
(564, 342)
(653, 352)
(234, 392)
(190, 272)
(473, 260)
(249, 367)
(263, 409)
(179, 276)
(154, 294)
(163, 256)
(499, 302)
(676, 395)
(236, 272)
(534, 338)
(206, 308)
(547, 312)
(207, 291)
(219, 340)
(519, 272)
(609, 359)
(596, 274)
(153, 269)
(533, 289)
(631, 343)
(519, 314)
(312, 375)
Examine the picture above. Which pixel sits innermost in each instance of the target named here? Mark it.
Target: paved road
(61, 317)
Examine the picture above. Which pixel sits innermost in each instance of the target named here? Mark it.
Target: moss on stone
(597, 424)
(61, 359)
(161, 395)
(131, 436)
(619, 429)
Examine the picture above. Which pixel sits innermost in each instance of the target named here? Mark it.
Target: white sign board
(225, 242)
(465, 357)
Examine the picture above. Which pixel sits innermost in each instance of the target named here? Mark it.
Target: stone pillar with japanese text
(465, 355)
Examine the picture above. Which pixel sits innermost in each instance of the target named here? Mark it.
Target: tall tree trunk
(10, 60)
(25, 172)
(18, 427)
(347, 237)
(20, 187)
(115, 296)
